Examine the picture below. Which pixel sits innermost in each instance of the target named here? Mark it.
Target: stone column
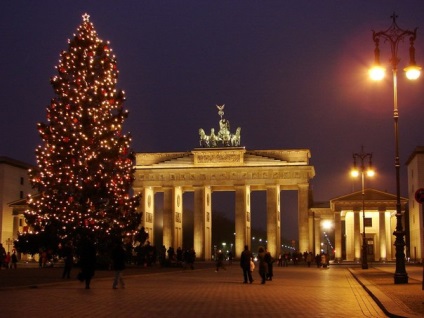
(382, 234)
(273, 220)
(311, 230)
(203, 222)
(357, 235)
(317, 235)
(147, 210)
(338, 237)
(303, 206)
(15, 227)
(168, 216)
(177, 209)
(242, 219)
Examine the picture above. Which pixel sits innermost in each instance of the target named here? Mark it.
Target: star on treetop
(85, 17)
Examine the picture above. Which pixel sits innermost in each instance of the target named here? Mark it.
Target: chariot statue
(224, 137)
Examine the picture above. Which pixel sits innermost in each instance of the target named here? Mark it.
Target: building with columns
(379, 219)
(206, 170)
(415, 166)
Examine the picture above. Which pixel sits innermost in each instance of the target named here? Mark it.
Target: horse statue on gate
(204, 139)
(224, 137)
(224, 134)
(213, 138)
(235, 139)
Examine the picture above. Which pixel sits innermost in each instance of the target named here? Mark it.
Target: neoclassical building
(415, 165)
(346, 213)
(206, 170)
(14, 185)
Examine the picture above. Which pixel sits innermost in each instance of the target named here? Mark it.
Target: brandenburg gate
(223, 166)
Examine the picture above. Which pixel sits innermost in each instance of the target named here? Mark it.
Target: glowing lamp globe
(377, 73)
(412, 72)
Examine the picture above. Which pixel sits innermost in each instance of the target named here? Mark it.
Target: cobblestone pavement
(295, 291)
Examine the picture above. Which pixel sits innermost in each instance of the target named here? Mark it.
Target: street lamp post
(394, 35)
(370, 172)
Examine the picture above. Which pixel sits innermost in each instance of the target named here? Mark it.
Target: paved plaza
(295, 291)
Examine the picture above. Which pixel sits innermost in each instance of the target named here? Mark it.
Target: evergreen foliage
(85, 165)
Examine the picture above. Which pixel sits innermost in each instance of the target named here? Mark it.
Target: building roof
(16, 163)
(417, 150)
(373, 200)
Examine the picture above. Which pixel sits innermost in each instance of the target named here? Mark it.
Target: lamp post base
(401, 278)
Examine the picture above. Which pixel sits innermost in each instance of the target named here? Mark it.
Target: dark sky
(292, 74)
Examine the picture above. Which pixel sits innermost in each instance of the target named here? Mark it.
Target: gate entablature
(224, 168)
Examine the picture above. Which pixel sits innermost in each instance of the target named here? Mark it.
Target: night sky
(292, 74)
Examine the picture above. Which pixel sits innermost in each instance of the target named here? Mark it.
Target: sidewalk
(396, 300)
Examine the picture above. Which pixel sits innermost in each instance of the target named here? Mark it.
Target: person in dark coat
(269, 260)
(245, 258)
(87, 261)
(68, 256)
(219, 261)
(14, 260)
(263, 265)
(118, 259)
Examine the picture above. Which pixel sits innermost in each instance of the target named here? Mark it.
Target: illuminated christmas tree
(85, 167)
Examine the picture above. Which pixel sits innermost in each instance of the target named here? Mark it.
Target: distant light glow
(327, 224)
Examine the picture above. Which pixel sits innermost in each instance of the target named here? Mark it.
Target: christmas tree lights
(85, 165)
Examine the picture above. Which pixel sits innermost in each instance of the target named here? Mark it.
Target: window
(21, 194)
(22, 180)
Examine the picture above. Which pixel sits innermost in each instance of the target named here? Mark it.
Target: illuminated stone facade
(380, 222)
(14, 185)
(415, 165)
(206, 170)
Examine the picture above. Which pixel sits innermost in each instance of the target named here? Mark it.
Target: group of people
(182, 257)
(321, 260)
(8, 260)
(265, 265)
(88, 263)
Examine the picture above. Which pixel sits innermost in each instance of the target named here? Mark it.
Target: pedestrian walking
(87, 260)
(219, 261)
(189, 258)
(286, 259)
(7, 260)
(68, 256)
(309, 258)
(230, 258)
(318, 260)
(118, 259)
(2, 255)
(263, 265)
(245, 259)
(14, 260)
(269, 260)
